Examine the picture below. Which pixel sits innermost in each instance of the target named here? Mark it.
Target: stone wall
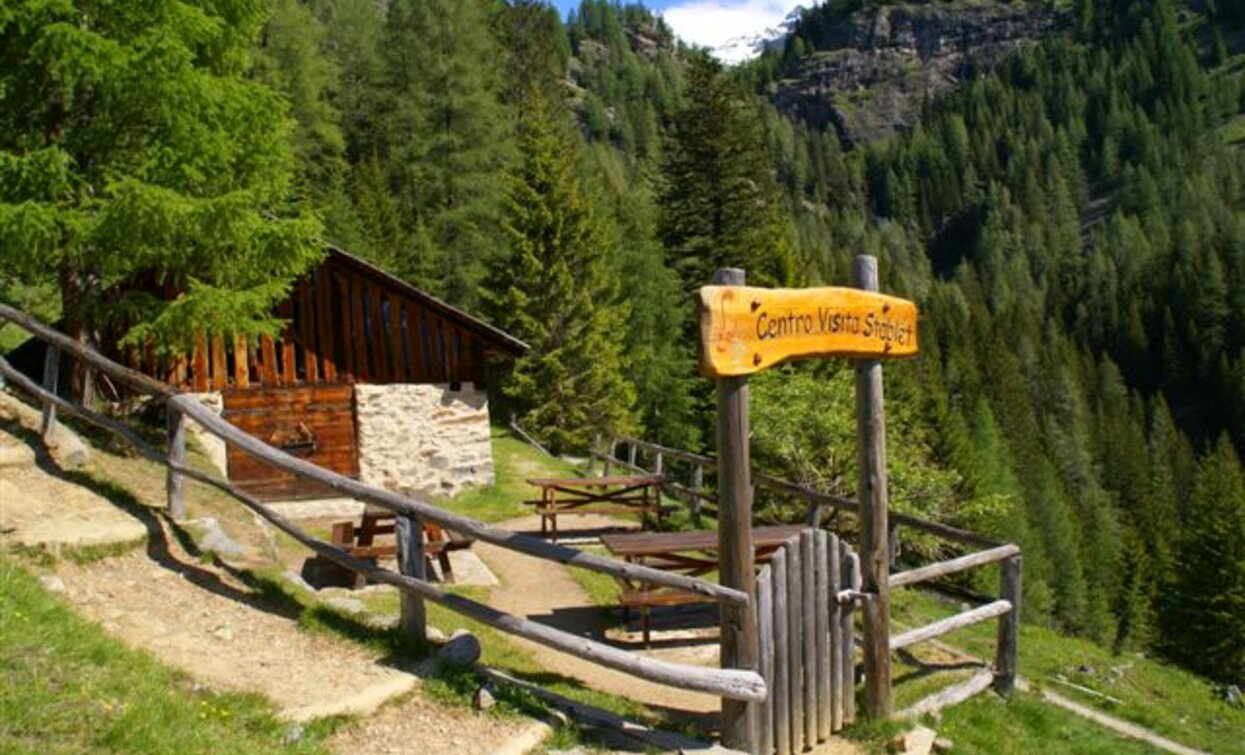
(213, 447)
(423, 439)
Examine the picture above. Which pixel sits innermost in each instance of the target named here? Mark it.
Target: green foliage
(132, 142)
(552, 291)
(719, 204)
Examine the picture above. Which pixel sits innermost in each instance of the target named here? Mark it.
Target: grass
(1169, 701)
(66, 687)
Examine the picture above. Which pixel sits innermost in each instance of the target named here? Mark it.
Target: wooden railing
(641, 456)
(737, 684)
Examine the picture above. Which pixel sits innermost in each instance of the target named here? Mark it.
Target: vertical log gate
(805, 608)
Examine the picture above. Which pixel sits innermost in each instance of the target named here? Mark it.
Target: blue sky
(712, 22)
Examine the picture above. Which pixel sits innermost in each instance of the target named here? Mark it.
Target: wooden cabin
(371, 378)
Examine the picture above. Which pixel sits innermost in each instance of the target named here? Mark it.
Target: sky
(712, 22)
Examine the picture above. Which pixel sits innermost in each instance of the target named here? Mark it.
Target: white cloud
(711, 23)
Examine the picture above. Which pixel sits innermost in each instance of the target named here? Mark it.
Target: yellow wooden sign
(745, 330)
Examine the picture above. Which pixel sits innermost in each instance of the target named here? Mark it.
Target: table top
(592, 482)
(656, 543)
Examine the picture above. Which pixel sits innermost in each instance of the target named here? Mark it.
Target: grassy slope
(1171, 702)
(65, 686)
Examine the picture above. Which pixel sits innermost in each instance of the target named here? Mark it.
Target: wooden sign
(745, 330)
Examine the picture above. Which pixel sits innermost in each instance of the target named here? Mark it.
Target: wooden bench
(360, 541)
(691, 553)
(597, 495)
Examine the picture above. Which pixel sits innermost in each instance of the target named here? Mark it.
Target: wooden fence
(805, 604)
(734, 684)
(686, 480)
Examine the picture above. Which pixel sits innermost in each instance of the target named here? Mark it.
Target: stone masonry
(215, 448)
(423, 439)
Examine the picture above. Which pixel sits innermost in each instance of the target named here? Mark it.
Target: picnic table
(596, 495)
(690, 553)
(360, 541)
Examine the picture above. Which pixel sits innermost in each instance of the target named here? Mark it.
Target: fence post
(411, 564)
(698, 486)
(739, 623)
(608, 465)
(51, 376)
(174, 484)
(872, 492)
(1009, 626)
(631, 455)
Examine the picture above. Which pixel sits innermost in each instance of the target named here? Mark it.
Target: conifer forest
(1070, 220)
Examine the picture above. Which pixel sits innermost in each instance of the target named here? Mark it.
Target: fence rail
(645, 457)
(739, 684)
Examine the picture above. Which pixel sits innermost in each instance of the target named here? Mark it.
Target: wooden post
(410, 537)
(739, 623)
(765, 617)
(176, 453)
(782, 651)
(836, 635)
(51, 375)
(608, 465)
(1009, 626)
(808, 634)
(698, 485)
(851, 581)
(872, 493)
(823, 587)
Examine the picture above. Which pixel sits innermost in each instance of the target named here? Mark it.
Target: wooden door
(314, 423)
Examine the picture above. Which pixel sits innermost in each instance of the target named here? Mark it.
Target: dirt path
(544, 591)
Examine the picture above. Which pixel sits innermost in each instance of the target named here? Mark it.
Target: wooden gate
(804, 613)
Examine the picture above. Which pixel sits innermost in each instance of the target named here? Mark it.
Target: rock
(212, 539)
(943, 745)
(483, 699)
(296, 579)
(435, 635)
(223, 633)
(1231, 695)
(15, 454)
(52, 583)
(918, 741)
(347, 605)
(462, 650)
(1086, 669)
(294, 734)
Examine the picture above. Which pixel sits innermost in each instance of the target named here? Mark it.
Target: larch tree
(552, 291)
(133, 141)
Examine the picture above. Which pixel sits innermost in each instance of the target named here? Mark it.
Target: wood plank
(1008, 643)
(220, 364)
(765, 637)
(377, 336)
(744, 330)
(953, 695)
(325, 345)
(413, 617)
(399, 369)
(873, 494)
(835, 555)
(200, 363)
(852, 580)
(348, 366)
(953, 566)
(950, 624)
(307, 333)
(736, 559)
(415, 343)
(363, 370)
(268, 364)
(241, 362)
(289, 365)
(452, 345)
(781, 690)
(795, 636)
(808, 632)
(175, 455)
(436, 349)
(821, 589)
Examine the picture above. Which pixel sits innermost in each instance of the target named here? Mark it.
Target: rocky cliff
(872, 68)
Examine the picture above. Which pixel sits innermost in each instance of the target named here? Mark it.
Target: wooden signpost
(745, 330)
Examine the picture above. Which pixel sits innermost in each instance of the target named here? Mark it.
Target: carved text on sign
(745, 329)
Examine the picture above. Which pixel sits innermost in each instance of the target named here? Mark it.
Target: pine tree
(552, 291)
(133, 141)
(447, 139)
(1203, 608)
(719, 203)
